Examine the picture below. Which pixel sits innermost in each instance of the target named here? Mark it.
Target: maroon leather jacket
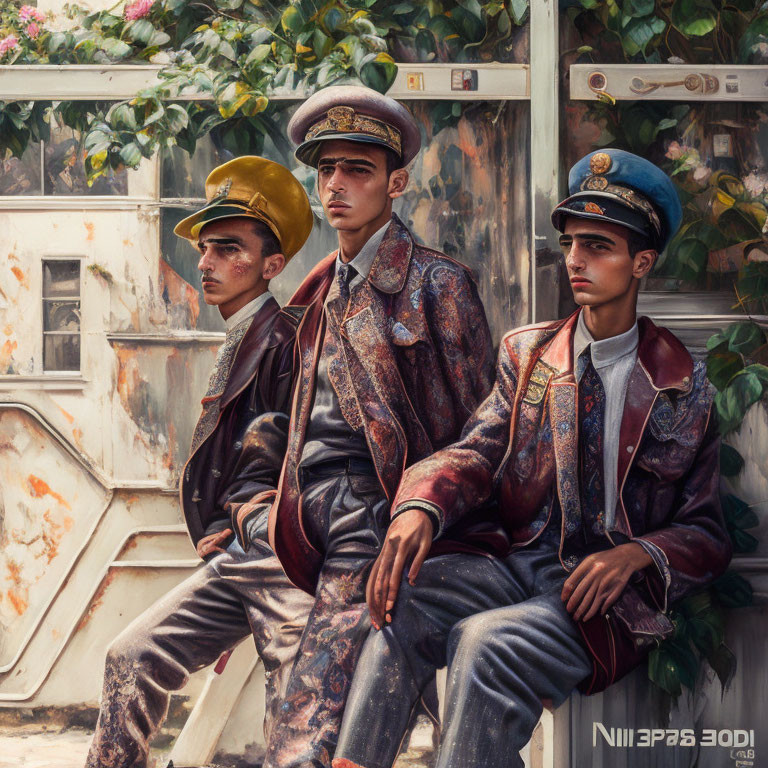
(239, 441)
(522, 446)
(420, 357)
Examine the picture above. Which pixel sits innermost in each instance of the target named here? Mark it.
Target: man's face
(233, 270)
(353, 183)
(600, 267)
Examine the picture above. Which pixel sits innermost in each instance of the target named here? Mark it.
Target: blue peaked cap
(622, 188)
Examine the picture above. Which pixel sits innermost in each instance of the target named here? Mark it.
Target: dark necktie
(591, 432)
(344, 275)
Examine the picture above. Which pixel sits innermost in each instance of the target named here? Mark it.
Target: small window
(61, 315)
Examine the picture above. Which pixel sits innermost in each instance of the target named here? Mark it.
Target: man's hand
(595, 585)
(408, 541)
(212, 543)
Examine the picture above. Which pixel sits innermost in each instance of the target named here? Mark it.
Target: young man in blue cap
(257, 217)
(395, 354)
(598, 443)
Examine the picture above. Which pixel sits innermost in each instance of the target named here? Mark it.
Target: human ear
(398, 181)
(273, 266)
(643, 263)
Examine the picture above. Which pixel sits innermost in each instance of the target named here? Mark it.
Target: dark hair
(637, 242)
(269, 242)
(393, 161)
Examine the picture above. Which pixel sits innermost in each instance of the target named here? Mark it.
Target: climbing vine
(235, 52)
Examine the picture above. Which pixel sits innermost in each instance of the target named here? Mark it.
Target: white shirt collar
(363, 262)
(606, 351)
(250, 309)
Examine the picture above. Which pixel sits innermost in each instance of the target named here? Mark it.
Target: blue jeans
(502, 630)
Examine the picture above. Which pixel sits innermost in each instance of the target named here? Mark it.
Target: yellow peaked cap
(256, 188)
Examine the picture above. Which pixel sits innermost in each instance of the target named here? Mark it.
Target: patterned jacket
(418, 348)
(522, 446)
(239, 441)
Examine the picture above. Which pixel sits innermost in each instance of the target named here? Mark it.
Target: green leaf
(378, 71)
(114, 48)
(130, 154)
(755, 34)
(733, 590)
(176, 118)
(722, 366)
(333, 19)
(292, 19)
(123, 118)
(723, 662)
(731, 461)
(672, 665)
(258, 54)
(639, 7)
(737, 513)
(55, 41)
(518, 10)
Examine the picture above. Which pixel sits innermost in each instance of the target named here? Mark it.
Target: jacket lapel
(258, 338)
(563, 415)
(662, 363)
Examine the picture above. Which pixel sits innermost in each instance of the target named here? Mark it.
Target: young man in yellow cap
(256, 219)
(395, 353)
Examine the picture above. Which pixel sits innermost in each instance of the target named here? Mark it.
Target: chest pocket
(674, 434)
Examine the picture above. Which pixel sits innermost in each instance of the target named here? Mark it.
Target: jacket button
(630, 448)
(687, 380)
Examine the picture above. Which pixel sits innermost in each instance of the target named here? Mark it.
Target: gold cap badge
(600, 163)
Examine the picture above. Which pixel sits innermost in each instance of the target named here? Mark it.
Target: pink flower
(7, 43)
(756, 183)
(138, 10)
(29, 13)
(702, 174)
(32, 30)
(675, 151)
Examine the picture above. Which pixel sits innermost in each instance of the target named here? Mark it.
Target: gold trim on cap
(346, 120)
(632, 198)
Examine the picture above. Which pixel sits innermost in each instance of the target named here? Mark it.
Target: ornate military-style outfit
(395, 353)
(237, 451)
(570, 480)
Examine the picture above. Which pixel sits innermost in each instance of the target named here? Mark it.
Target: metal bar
(55, 203)
(545, 133)
(669, 82)
(119, 82)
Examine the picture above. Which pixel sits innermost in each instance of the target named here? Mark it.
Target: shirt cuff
(434, 512)
(662, 565)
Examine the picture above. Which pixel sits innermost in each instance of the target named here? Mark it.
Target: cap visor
(309, 152)
(191, 226)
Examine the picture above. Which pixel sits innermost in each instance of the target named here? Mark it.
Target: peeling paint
(68, 416)
(182, 301)
(21, 276)
(40, 488)
(6, 352)
(98, 599)
(19, 602)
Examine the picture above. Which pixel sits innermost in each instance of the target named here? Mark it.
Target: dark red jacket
(239, 441)
(420, 357)
(522, 446)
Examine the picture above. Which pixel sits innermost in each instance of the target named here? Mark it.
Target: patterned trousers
(345, 515)
(232, 596)
(503, 632)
